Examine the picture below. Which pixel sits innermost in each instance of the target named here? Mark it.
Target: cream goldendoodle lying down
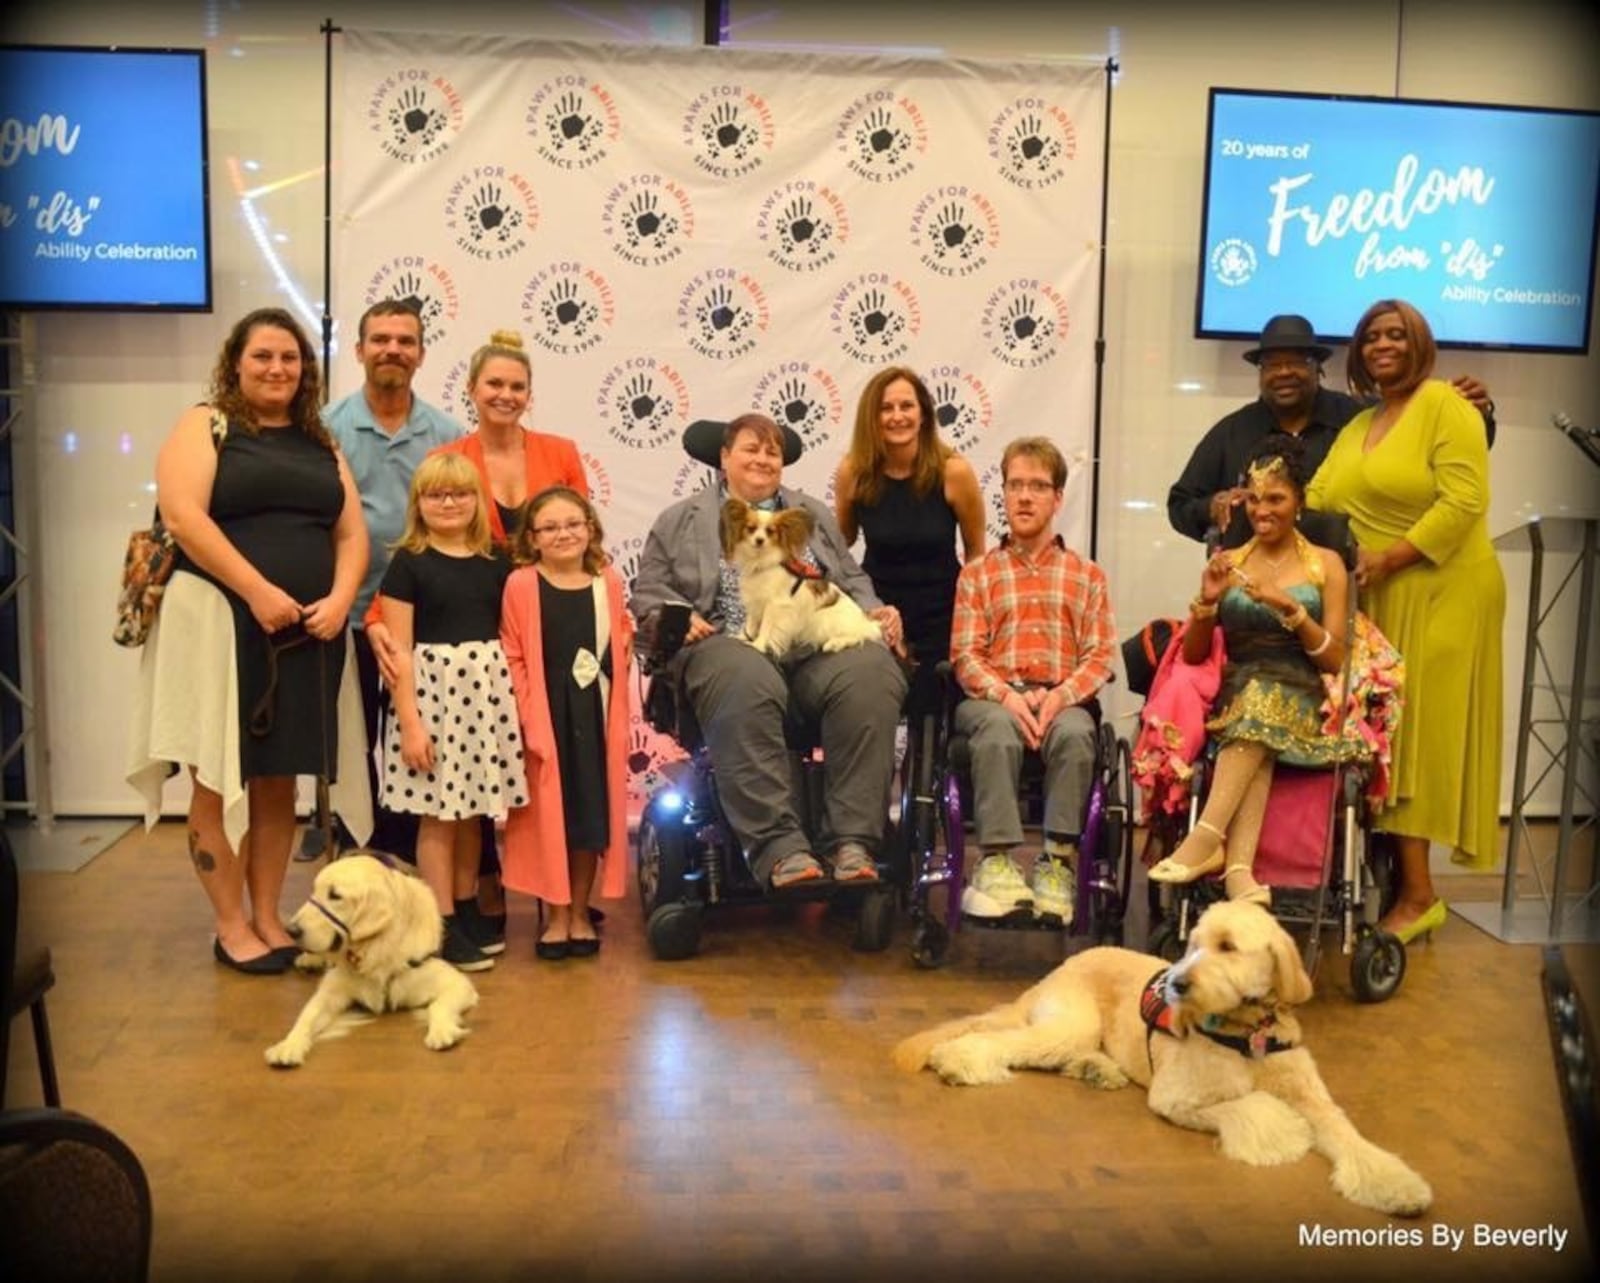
(1213, 1039)
(376, 930)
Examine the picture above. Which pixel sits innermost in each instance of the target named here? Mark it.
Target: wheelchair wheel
(1164, 942)
(673, 931)
(875, 920)
(1377, 967)
(1108, 901)
(930, 944)
(662, 860)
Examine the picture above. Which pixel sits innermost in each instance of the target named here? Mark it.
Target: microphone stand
(1586, 439)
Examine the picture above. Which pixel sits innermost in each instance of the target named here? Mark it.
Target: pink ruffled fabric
(1172, 725)
(1373, 707)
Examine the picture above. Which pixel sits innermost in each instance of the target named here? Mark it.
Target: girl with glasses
(569, 642)
(452, 750)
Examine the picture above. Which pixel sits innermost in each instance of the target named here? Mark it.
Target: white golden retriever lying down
(1213, 1039)
(377, 931)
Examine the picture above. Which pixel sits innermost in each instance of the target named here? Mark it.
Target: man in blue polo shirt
(1210, 493)
(385, 430)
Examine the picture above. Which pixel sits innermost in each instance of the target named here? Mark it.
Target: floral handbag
(147, 565)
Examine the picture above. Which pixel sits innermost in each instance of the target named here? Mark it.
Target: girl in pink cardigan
(568, 641)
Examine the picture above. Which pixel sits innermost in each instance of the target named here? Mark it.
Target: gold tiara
(1259, 474)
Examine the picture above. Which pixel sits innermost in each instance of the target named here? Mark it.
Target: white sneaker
(996, 889)
(1054, 889)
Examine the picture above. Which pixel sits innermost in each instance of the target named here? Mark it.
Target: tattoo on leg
(203, 861)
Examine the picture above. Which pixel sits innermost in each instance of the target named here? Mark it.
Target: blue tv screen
(103, 198)
(1484, 217)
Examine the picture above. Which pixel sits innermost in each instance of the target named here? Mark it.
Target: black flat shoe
(290, 953)
(268, 964)
(553, 950)
(581, 948)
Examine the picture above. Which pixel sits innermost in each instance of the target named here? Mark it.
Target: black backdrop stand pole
(716, 23)
(1100, 323)
(319, 837)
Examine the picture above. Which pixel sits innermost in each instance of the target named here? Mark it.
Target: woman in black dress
(241, 678)
(909, 494)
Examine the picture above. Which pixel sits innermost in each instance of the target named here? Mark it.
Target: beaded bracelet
(1294, 618)
(1200, 608)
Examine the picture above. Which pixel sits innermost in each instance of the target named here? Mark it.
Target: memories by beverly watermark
(1438, 1237)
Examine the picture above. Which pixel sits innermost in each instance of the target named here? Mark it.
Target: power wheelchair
(689, 859)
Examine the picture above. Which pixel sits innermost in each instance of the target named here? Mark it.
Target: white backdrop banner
(692, 233)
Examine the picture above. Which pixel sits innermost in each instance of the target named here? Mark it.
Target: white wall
(100, 377)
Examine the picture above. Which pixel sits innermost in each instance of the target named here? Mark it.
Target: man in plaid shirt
(1032, 643)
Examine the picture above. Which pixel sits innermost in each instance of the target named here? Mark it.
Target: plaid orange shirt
(1043, 621)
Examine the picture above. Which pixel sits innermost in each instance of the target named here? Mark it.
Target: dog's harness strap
(804, 573)
(330, 915)
(1156, 1012)
(1255, 1045)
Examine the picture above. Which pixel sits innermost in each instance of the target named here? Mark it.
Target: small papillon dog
(788, 603)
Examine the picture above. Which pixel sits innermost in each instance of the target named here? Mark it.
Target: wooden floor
(737, 1117)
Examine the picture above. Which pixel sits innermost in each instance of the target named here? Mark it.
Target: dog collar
(803, 572)
(1156, 1012)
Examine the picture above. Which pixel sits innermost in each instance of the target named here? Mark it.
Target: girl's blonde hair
(507, 343)
(445, 471)
(524, 546)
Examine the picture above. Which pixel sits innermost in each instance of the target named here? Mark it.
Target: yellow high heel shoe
(1424, 924)
(1173, 869)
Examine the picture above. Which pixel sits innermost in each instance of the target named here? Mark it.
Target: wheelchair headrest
(702, 439)
(1325, 529)
(1141, 653)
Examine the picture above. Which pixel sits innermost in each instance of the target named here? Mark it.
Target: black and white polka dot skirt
(465, 699)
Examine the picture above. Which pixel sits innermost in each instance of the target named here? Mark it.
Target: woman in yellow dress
(1412, 474)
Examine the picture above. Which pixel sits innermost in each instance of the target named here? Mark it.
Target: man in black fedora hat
(1289, 361)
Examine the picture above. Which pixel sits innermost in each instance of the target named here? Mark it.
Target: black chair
(1572, 1041)
(27, 977)
(74, 1200)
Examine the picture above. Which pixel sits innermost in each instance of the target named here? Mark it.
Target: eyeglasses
(1283, 362)
(561, 528)
(449, 496)
(1018, 485)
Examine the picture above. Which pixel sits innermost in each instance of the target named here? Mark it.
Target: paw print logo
(1025, 328)
(645, 222)
(958, 421)
(724, 133)
(880, 142)
(648, 753)
(641, 407)
(410, 288)
(800, 231)
(571, 124)
(873, 322)
(414, 122)
(953, 234)
(490, 220)
(565, 308)
(1029, 146)
(794, 405)
(722, 321)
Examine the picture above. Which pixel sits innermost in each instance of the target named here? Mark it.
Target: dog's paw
(288, 1054)
(311, 963)
(968, 1061)
(1382, 1181)
(1096, 1070)
(442, 1037)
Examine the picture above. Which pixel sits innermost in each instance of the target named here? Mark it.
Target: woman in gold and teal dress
(1281, 602)
(1412, 474)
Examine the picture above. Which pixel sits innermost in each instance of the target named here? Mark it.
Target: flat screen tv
(103, 197)
(1484, 217)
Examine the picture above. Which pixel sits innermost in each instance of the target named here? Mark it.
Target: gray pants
(740, 698)
(996, 749)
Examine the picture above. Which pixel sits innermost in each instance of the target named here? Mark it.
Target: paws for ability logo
(600, 488)
(875, 317)
(961, 405)
(491, 212)
(1031, 142)
(415, 114)
(728, 130)
(647, 219)
(803, 224)
(643, 402)
(802, 396)
(722, 313)
(569, 308)
(572, 121)
(954, 229)
(422, 283)
(453, 398)
(882, 136)
(1233, 261)
(1024, 322)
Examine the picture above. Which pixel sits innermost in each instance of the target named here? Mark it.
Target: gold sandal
(1175, 870)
